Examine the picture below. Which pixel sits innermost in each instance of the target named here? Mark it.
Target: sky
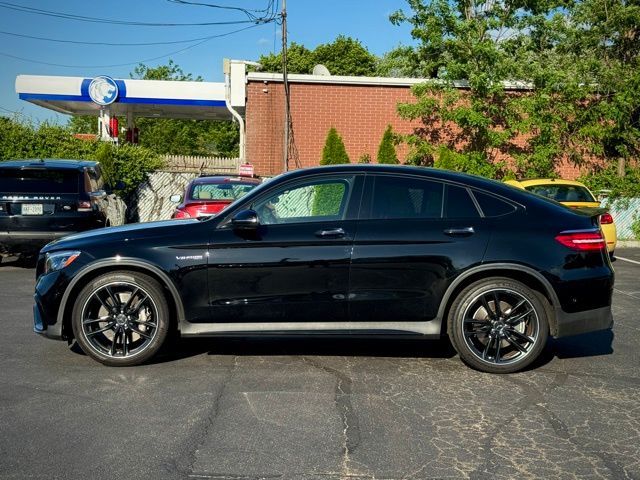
(309, 23)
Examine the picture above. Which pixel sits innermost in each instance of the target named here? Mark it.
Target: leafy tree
(586, 71)
(386, 150)
(578, 61)
(334, 151)
(299, 60)
(174, 136)
(400, 62)
(460, 40)
(343, 56)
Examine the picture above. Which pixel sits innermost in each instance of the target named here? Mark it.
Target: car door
(295, 266)
(414, 236)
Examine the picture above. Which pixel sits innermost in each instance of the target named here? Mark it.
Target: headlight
(59, 260)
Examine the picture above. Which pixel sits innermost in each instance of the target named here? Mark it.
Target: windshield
(562, 193)
(38, 181)
(220, 191)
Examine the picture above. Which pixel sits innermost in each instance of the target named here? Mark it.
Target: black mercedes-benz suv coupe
(366, 249)
(41, 200)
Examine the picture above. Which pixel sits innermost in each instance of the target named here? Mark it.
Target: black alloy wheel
(499, 325)
(121, 318)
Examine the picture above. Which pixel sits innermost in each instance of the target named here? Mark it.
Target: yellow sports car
(572, 194)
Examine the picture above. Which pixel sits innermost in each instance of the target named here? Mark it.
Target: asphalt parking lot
(319, 408)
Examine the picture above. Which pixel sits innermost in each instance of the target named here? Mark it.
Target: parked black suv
(41, 200)
(353, 249)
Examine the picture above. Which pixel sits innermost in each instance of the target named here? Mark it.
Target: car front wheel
(121, 318)
(499, 325)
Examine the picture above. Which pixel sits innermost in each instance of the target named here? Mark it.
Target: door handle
(459, 232)
(333, 233)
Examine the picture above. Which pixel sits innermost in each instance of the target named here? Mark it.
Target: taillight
(606, 219)
(84, 206)
(181, 214)
(582, 241)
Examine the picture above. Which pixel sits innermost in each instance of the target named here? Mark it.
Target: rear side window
(38, 181)
(459, 204)
(492, 206)
(406, 197)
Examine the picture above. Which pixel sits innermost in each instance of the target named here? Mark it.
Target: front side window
(406, 197)
(309, 202)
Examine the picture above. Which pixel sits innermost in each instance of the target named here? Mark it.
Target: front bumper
(47, 298)
(583, 322)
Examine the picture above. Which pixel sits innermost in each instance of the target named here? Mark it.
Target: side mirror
(245, 220)
(119, 185)
(175, 198)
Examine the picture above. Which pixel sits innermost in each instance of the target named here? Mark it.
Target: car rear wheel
(499, 325)
(121, 318)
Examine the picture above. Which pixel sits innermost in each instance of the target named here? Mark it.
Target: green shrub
(364, 158)
(386, 150)
(635, 227)
(127, 163)
(334, 152)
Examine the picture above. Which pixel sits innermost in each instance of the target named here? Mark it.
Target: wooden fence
(200, 165)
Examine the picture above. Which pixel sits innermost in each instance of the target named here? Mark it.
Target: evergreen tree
(334, 152)
(386, 150)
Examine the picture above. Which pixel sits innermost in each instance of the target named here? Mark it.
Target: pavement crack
(186, 460)
(348, 417)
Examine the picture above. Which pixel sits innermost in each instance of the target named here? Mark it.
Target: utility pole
(285, 83)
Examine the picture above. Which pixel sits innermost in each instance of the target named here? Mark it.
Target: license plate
(32, 209)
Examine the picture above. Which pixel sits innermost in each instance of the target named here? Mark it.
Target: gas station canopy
(138, 98)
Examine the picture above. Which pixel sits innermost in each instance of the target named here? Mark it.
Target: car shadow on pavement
(586, 345)
(592, 344)
(315, 346)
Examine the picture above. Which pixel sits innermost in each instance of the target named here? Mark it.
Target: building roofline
(368, 81)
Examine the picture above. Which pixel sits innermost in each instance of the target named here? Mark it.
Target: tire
(121, 318)
(502, 341)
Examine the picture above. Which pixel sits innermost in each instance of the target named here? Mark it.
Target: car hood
(124, 232)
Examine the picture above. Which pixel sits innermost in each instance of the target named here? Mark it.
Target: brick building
(360, 108)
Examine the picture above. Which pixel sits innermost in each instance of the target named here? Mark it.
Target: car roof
(62, 164)
(436, 173)
(224, 179)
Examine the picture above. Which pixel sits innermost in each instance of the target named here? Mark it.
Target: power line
(128, 63)
(120, 44)
(82, 18)
(247, 11)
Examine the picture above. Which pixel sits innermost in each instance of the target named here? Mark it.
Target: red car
(209, 195)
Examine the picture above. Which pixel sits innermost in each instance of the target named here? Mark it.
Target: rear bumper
(583, 322)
